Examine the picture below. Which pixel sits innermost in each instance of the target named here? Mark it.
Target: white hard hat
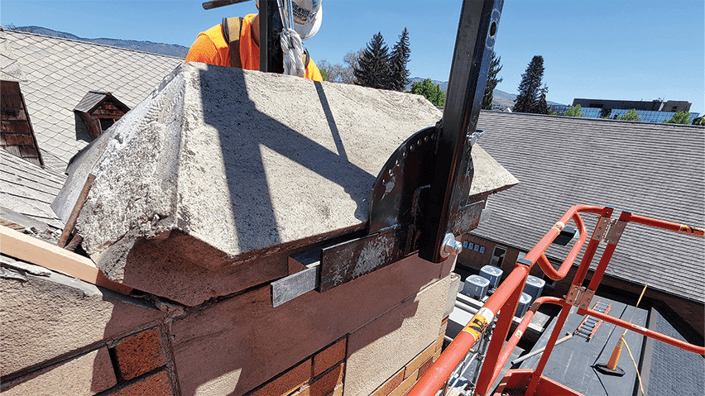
(308, 15)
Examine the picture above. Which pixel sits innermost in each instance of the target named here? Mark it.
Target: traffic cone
(611, 367)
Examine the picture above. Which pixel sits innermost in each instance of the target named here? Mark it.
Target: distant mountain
(146, 46)
(500, 101)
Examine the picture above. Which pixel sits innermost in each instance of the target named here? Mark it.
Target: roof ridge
(86, 41)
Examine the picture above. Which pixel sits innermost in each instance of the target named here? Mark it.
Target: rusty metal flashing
(579, 296)
(615, 232)
(601, 228)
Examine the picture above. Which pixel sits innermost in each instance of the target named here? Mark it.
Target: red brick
(405, 386)
(420, 359)
(87, 374)
(390, 385)
(288, 382)
(444, 327)
(328, 357)
(326, 384)
(157, 384)
(140, 353)
(424, 367)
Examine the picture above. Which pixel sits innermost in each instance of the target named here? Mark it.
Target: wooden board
(24, 247)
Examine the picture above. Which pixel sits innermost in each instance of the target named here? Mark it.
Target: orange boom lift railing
(506, 298)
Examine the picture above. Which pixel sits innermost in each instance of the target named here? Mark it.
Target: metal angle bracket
(398, 202)
(399, 187)
(352, 259)
(395, 204)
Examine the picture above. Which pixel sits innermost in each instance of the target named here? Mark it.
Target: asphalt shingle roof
(28, 189)
(57, 73)
(655, 170)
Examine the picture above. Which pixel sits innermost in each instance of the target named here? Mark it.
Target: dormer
(100, 110)
(16, 132)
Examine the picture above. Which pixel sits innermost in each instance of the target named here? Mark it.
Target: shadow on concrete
(245, 132)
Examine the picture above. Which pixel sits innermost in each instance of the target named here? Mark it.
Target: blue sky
(618, 49)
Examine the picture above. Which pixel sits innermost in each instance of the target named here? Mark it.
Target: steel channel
(271, 58)
(474, 43)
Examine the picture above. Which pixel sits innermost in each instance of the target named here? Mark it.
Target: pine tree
(529, 88)
(492, 81)
(397, 63)
(542, 104)
(373, 66)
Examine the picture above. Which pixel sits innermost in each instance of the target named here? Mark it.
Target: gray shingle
(655, 170)
(59, 72)
(28, 189)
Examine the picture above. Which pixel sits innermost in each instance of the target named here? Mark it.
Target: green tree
(681, 117)
(631, 115)
(530, 87)
(574, 111)
(430, 91)
(492, 81)
(322, 69)
(699, 121)
(373, 66)
(398, 59)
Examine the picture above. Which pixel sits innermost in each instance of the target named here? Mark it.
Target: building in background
(649, 111)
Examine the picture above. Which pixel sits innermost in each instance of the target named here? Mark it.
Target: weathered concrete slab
(490, 175)
(46, 315)
(233, 346)
(239, 164)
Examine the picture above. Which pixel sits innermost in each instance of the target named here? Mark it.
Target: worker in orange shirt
(235, 42)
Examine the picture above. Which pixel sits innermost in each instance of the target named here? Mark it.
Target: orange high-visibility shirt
(210, 47)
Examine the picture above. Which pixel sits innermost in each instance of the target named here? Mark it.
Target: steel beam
(271, 57)
(479, 21)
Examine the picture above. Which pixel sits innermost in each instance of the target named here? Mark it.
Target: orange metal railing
(505, 299)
